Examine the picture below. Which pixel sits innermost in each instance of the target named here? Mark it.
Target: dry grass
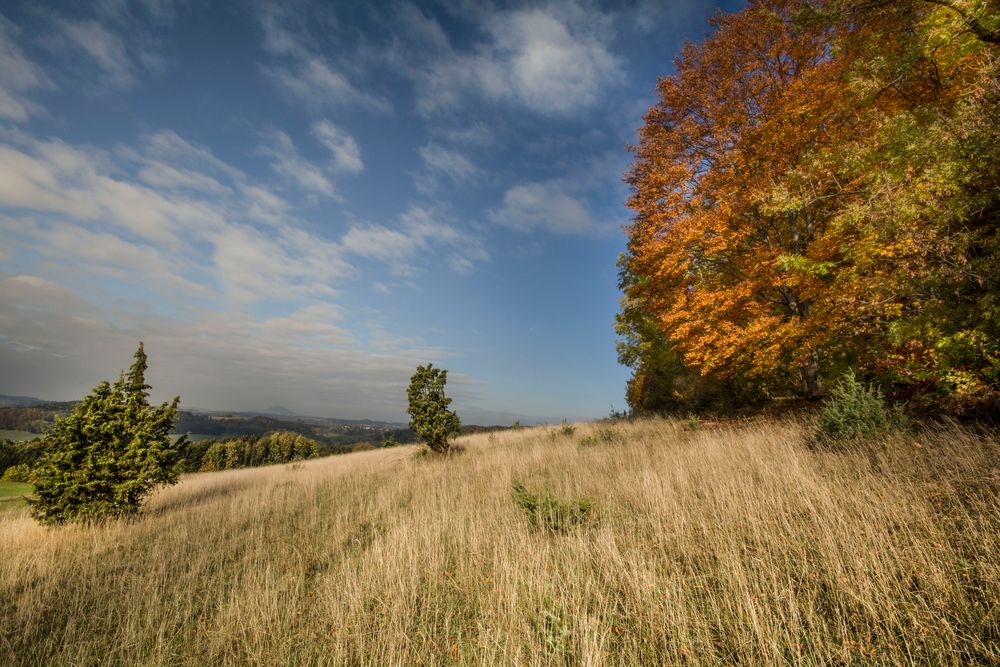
(723, 545)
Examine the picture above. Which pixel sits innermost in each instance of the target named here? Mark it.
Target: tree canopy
(817, 189)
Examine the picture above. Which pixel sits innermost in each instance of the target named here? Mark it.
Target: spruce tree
(104, 459)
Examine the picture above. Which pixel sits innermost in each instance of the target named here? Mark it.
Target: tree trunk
(810, 374)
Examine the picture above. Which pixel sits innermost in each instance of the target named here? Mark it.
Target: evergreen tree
(430, 417)
(104, 459)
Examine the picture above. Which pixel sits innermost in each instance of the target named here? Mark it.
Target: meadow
(18, 436)
(705, 544)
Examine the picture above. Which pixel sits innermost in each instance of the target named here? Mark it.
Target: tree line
(248, 451)
(817, 190)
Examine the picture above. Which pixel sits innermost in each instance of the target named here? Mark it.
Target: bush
(567, 429)
(601, 436)
(544, 512)
(18, 473)
(855, 409)
(363, 447)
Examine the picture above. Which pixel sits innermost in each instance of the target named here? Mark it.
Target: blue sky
(294, 204)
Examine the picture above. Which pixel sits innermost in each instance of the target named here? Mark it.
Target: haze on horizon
(296, 204)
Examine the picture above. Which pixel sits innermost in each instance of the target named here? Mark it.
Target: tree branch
(983, 33)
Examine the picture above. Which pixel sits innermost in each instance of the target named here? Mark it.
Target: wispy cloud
(103, 47)
(419, 233)
(19, 77)
(287, 163)
(448, 163)
(303, 71)
(344, 150)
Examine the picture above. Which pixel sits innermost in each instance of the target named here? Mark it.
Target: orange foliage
(756, 228)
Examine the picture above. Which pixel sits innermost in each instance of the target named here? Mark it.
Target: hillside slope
(733, 544)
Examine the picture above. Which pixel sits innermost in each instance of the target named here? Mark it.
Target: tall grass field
(632, 543)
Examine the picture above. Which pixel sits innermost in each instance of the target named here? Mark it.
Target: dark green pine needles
(105, 459)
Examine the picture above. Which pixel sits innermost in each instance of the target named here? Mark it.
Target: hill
(726, 544)
(19, 401)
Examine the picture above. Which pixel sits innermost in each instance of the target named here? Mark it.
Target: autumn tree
(815, 178)
(430, 417)
(104, 459)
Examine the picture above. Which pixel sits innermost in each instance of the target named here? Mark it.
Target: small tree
(430, 417)
(103, 460)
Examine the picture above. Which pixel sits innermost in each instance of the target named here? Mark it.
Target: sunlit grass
(719, 545)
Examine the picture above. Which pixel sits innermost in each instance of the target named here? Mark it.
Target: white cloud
(57, 178)
(166, 177)
(287, 163)
(553, 60)
(545, 206)
(103, 47)
(90, 214)
(419, 233)
(252, 265)
(449, 163)
(477, 134)
(168, 146)
(308, 75)
(100, 253)
(18, 77)
(343, 148)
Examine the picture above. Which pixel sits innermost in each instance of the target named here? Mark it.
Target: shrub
(692, 422)
(855, 409)
(601, 436)
(389, 441)
(545, 512)
(18, 473)
(363, 447)
(567, 429)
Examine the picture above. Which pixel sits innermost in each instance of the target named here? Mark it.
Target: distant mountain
(278, 411)
(20, 401)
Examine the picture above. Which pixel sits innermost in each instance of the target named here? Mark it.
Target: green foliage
(430, 417)
(18, 473)
(363, 447)
(692, 422)
(104, 459)
(545, 512)
(250, 452)
(601, 436)
(554, 627)
(390, 441)
(15, 453)
(567, 429)
(856, 409)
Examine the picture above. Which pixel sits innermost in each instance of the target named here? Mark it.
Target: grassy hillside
(718, 545)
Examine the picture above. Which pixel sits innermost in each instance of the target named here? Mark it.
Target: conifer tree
(430, 417)
(104, 459)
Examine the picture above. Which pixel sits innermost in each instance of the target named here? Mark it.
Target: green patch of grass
(18, 436)
(14, 489)
(545, 512)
